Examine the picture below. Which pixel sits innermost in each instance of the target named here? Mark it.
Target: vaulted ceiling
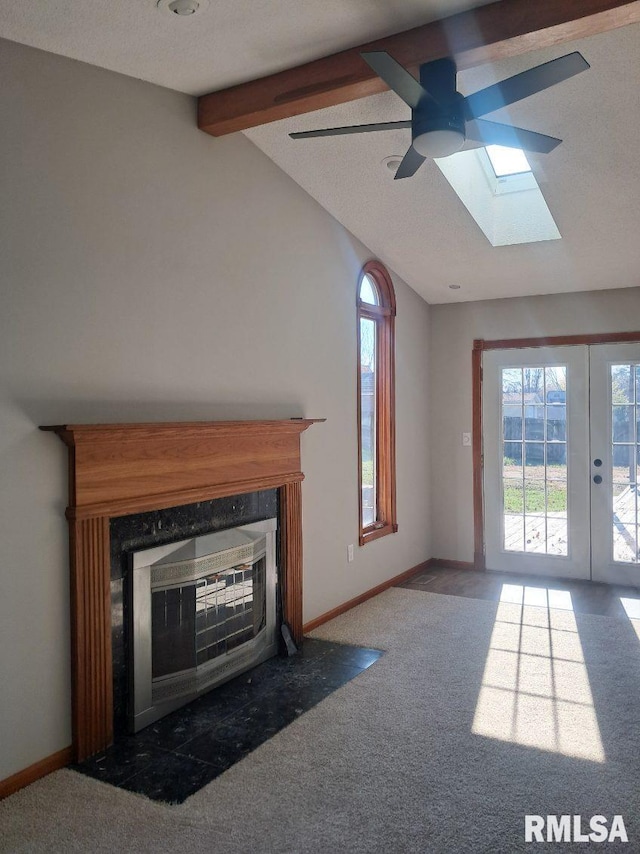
(418, 226)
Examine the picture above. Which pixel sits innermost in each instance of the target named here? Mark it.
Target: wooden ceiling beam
(488, 33)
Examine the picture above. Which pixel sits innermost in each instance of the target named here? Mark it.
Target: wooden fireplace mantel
(120, 469)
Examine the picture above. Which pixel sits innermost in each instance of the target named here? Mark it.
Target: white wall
(453, 330)
(151, 272)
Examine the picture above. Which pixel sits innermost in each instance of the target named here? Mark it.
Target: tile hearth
(175, 757)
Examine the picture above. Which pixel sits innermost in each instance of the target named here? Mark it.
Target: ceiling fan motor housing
(438, 125)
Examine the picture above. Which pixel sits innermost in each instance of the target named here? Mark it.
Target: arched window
(376, 403)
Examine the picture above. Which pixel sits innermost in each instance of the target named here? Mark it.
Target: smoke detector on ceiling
(182, 8)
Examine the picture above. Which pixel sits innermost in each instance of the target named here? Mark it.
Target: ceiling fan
(442, 119)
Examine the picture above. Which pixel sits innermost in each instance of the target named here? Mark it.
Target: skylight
(498, 188)
(507, 161)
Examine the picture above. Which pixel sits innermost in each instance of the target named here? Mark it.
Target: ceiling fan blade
(492, 133)
(396, 77)
(410, 164)
(522, 85)
(305, 134)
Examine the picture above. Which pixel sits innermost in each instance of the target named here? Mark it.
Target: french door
(561, 449)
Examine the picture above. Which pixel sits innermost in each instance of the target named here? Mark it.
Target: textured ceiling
(417, 226)
(229, 42)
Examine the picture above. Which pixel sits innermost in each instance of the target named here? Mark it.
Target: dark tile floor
(587, 597)
(173, 758)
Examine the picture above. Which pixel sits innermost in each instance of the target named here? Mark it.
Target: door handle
(597, 478)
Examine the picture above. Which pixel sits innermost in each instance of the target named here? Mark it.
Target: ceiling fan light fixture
(439, 143)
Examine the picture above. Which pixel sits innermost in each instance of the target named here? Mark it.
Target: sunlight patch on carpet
(632, 607)
(535, 687)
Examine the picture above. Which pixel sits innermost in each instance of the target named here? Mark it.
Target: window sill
(376, 533)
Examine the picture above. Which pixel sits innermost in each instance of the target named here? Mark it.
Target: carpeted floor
(479, 714)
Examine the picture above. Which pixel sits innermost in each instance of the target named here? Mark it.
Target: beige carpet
(477, 715)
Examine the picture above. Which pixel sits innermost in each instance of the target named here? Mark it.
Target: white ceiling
(229, 42)
(417, 226)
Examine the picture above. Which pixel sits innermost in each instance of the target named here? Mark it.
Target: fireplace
(117, 470)
(203, 611)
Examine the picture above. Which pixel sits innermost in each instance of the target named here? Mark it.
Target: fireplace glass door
(195, 623)
(203, 611)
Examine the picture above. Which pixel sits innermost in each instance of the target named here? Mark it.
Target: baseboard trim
(451, 564)
(36, 771)
(369, 594)
(431, 563)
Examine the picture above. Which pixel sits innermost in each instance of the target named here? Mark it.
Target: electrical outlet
(466, 440)
(350, 553)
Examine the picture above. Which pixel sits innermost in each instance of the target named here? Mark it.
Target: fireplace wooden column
(120, 469)
(291, 556)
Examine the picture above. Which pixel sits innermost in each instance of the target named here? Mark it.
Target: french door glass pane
(534, 459)
(368, 406)
(625, 455)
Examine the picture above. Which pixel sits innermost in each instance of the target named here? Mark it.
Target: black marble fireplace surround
(176, 756)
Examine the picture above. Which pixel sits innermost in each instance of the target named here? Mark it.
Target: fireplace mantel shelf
(116, 469)
(121, 469)
(163, 427)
